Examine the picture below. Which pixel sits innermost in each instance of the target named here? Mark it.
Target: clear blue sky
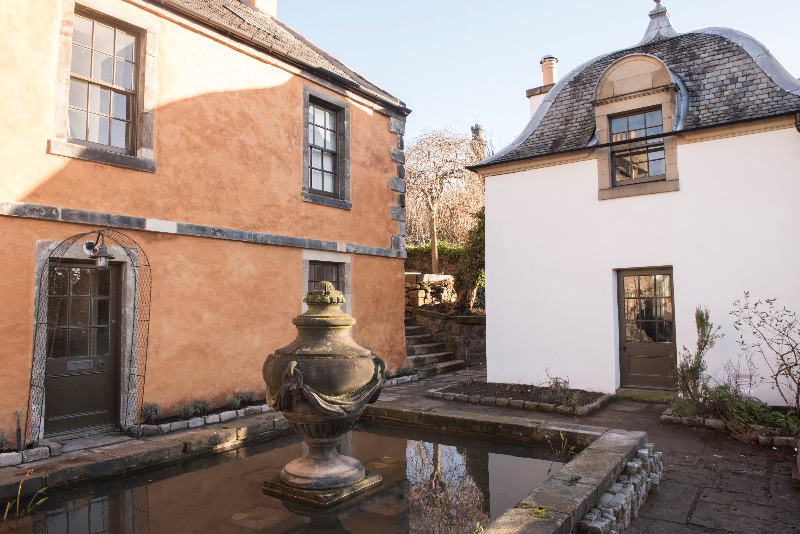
(455, 62)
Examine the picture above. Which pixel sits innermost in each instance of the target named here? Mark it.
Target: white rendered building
(649, 181)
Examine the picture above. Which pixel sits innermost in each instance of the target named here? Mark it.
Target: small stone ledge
(138, 431)
(525, 405)
(754, 434)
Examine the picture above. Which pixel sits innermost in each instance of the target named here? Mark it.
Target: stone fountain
(322, 381)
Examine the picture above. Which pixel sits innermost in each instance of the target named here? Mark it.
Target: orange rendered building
(229, 164)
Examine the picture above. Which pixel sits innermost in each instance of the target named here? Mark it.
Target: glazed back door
(646, 328)
(82, 372)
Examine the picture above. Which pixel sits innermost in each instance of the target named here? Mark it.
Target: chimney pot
(548, 64)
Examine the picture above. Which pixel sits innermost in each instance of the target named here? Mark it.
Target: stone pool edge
(573, 494)
(124, 458)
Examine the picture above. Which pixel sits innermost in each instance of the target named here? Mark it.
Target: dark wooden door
(647, 352)
(82, 371)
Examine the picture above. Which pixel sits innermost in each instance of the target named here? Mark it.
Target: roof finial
(660, 26)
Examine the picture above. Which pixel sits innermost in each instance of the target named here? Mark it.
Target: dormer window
(641, 157)
(635, 110)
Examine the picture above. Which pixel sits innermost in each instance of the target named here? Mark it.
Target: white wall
(552, 248)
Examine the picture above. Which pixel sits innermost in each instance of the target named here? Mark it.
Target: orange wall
(228, 145)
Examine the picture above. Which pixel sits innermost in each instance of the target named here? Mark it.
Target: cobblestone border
(403, 379)
(137, 431)
(563, 409)
(696, 421)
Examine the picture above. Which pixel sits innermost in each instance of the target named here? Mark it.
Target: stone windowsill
(61, 147)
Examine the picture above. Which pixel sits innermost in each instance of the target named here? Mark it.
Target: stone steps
(425, 355)
(441, 367)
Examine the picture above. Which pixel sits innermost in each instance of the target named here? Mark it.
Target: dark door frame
(655, 359)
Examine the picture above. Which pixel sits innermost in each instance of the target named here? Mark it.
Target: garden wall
(464, 335)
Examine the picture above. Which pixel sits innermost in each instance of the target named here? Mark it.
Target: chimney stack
(548, 64)
(270, 7)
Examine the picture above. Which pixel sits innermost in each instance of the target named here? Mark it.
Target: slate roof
(725, 85)
(272, 36)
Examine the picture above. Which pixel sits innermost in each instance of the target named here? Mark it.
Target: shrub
(185, 410)
(682, 407)
(773, 333)
(247, 397)
(689, 372)
(737, 410)
(151, 412)
(233, 402)
(200, 407)
(2, 439)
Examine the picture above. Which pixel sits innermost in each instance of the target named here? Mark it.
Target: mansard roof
(728, 77)
(242, 21)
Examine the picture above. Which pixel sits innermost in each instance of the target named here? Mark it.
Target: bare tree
(440, 188)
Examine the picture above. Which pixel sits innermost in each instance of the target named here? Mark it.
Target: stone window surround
(658, 96)
(130, 18)
(127, 300)
(342, 108)
(345, 283)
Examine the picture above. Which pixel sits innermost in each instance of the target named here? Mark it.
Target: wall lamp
(98, 251)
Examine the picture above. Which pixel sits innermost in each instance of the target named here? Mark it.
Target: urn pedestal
(322, 381)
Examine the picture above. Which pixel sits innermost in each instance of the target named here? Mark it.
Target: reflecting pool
(431, 483)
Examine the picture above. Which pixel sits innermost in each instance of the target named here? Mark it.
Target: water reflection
(431, 483)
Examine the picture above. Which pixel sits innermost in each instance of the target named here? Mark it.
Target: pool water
(431, 483)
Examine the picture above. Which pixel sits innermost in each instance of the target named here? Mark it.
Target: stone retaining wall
(463, 335)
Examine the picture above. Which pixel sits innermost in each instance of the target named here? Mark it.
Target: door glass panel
(648, 331)
(101, 312)
(78, 342)
(80, 279)
(101, 341)
(103, 282)
(632, 332)
(57, 342)
(79, 312)
(663, 285)
(631, 309)
(58, 281)
(629, 283)
(57, 312)
(646, 286)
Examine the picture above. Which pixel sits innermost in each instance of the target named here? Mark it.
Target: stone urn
(322, 381)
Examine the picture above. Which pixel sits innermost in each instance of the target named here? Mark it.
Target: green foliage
(689, 377)
(151, 412)
(234, 401)
(184, 410)
(2, 439)
(200, 407)
(16, 504)
(418, 257)
(471, 273)
(773, 333)
(682, 407)
(737, 410)
(788, 422)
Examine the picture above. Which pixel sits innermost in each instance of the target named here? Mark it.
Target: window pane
(653, 118)
(655, 130)
(77, 124)
(98, 129)
(319, 136)
(125, 44)
(662, 285)
(629, 285)
(119, 106)
(622, 173)
(327, 162)
(80, 281)
(81, 60)
(57, 313)
(316, 179)
(636, 122)
(100, 312)
(119, 134)
(638, 157)
(316, 158)
(82, 31)
(57, 342)
(648, 331)
(657, 167)
(636, 134)
(103, 67)
(330, 140)
(330, 120)
(78, 94)
(631, 309)
(319, 116)
(58, 281)
(646, 286)
(78, 342)
(618, 125)
(327, 184)
(102, 282)
(103, 38)
(124, 74)
(101, 341)
(632, 332)
(99, 100)
(79, 311)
